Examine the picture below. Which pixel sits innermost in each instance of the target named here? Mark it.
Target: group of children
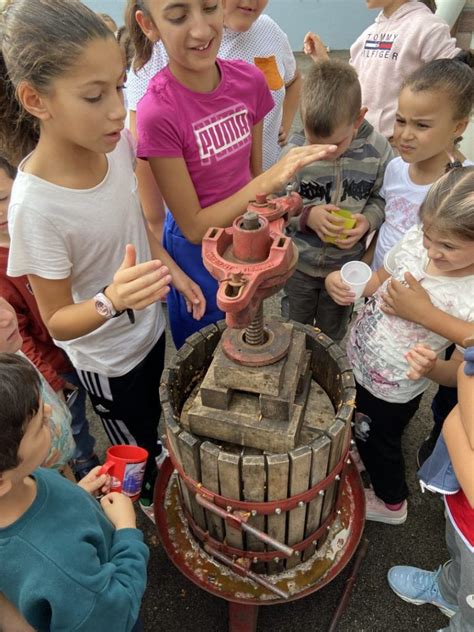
(211, 100)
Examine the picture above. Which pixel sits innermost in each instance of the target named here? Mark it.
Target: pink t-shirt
(212, 131)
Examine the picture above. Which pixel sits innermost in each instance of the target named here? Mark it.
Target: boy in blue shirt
(66, 563)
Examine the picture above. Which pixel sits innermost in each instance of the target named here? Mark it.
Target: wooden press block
(189, 451)
(300, 471)
(280, 406)
(228, 464)
(319, 414)
(212, 395)
(319, 466)
(278, 468)
(253, 480)
(210, 479)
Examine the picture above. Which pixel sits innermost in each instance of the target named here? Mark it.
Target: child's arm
(10, 619)
(424, 362)
(413, 303)
(133, 287)
(314, 47)
(150, 196)
(290, 105)
(195, 301)
(256, 155)
(466, 403)
(341, 293)
(174, 181)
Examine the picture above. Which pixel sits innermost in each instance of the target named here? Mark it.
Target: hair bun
(466, 57)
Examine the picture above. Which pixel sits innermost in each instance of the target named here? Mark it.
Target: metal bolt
(255, 560)
(353, 442)
(229, 509)
(348, 461)
(250, 221)
(276, 559)
(339, 512)
(278, 511)
(321, 493)
(352, 424)
(328, 528)
(254, 512)
(301, 504)
(315, 543)
(337, 477)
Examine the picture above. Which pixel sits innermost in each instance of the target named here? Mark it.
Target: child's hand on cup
(95, 483)
(353, 235)
(135, 286)
(323, 222)
(119, 510)
(338, 290)
(422, 360)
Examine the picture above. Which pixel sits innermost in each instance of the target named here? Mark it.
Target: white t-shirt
(264, 45)
(403, 199)
(378, 342)
(58, 232)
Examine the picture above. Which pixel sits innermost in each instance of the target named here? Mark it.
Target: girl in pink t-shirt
(200, 126)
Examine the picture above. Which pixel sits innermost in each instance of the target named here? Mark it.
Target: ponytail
(142, 45)
(19, 131)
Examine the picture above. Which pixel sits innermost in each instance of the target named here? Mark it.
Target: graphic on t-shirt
(222, 133)
(351, 188)
(380, 45)
(401, 213)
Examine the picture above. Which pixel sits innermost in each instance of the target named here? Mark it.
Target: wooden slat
(210, 480)
(319, 465)
(189, 451)
(229, 481)
(300, 470)
(278, 468)
(253, 478)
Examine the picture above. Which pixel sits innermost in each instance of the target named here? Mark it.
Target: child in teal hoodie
(67, 563)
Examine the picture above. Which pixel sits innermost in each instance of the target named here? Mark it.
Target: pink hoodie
(392, 48)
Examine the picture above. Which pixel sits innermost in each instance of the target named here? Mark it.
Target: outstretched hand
(192, 293)
(135, 286)
(407, 300)
(283, 171)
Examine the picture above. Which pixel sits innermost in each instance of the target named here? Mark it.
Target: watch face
(103, 306)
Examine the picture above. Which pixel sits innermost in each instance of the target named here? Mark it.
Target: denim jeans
(80, 424)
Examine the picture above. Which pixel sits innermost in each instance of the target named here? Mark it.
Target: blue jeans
(80, 424)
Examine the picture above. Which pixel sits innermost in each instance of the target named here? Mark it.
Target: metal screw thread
(251, 221)
(255, 334)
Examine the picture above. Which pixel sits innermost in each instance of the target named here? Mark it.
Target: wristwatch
(105, 307)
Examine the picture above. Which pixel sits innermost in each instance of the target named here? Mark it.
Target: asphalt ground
(172, 603)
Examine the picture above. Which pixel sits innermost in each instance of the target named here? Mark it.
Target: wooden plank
(210, 480)
(229, 480)
(278, 469)
(319, 465)
(336, 433)
(189, 451)
(300, 470)
(254, 478)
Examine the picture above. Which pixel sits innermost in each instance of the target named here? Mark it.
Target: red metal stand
(242, 618)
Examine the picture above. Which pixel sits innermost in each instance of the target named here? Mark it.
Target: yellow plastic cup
(349, 222)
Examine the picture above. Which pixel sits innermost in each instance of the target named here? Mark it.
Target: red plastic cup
(126, 466)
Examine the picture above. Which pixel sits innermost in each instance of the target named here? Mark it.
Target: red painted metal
(251, 265)
(262, 508)
(260, 556)
(353, 511)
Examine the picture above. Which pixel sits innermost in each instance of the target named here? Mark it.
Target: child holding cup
(439, 254)
(341, 195)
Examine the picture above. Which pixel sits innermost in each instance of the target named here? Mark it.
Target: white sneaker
(377, 511)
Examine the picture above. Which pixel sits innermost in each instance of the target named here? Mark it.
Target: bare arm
(460, 452)
(290, 106)
(133, 286)
(466, 405)
(424, 362)
(256, 156)
(150, 196)
(412, 302)
(10, 619)
(174, 181)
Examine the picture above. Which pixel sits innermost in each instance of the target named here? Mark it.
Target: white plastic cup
(356, 275)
